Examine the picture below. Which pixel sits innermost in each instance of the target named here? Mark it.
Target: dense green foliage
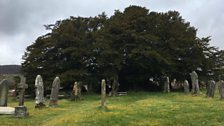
(129, 46)
(135, 109)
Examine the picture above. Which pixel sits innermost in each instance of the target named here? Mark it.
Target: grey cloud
(19, 15)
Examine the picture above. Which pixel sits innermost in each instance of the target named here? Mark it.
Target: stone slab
(7, 110)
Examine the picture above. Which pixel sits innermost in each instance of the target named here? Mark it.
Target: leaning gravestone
(39, 92)
(194, 80)
(103, 94)
(54, 92)
(167, 85)
(21, 110)
(4, 89)
(186, 87)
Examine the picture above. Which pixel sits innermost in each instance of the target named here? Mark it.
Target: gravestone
(109, 90)
(21, 110)
(208, 88)
(167, 85)
(4, 89)
(76, 91)
(186, 87)
(79, 90)
(39, 92)
(221, 89)
(219, 83)
(103, 94)
(211, 88)
(54, 92)
(115, 87)
(194, 80)
(173, 83)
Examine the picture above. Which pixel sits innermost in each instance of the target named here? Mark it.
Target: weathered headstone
(194, 80)
(54, 92)
(103, 94)
(115, 87)
(76, 91)
(211, 88)
(4, 89)
(167, 85)
(39, 92)
(21, 110)
(173, 83)
(186, 87)
(208, 88)
(79, 89)
(109, 90)
(220, 84)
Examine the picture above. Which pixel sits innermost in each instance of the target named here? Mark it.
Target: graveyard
(136, 67)
(134, 109)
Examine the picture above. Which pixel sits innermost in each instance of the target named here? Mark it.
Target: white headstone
(186, 87)
(39, 91)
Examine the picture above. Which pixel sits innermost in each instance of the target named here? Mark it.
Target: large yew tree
(130, 46)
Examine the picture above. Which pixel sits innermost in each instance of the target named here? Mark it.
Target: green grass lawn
(135, 109)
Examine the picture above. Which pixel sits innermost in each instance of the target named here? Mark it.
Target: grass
(135, 109)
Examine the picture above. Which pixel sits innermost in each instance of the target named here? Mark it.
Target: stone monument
(103, 94)
(21, 110)
(115, 87)
(54, 92)
(211, 88)
(194, 80)
(220, 84)
(4, 89)
(76, 91)
(167, 85)
(39, 92)
(186, 87)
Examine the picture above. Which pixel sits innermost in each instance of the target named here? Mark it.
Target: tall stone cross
(21, 87)
(21, 110)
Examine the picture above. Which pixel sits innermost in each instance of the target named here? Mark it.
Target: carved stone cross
(21, 110)
(21, 87)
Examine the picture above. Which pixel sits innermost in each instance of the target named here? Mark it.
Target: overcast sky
(21, 21)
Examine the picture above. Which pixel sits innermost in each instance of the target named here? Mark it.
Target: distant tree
(212, 66)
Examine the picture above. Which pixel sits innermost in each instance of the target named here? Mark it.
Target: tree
(130, 46)
(65, 52)
(213, 62)
(153, 45)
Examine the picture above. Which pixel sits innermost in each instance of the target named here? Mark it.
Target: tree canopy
(130, 46)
